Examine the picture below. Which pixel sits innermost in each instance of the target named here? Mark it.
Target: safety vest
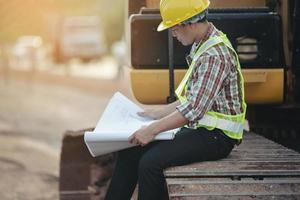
(231, 125)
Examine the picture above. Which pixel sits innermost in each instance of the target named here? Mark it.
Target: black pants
(145, 165)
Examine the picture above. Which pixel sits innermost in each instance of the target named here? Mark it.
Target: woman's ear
(192, 27)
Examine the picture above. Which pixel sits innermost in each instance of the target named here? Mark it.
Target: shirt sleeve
(208, 76)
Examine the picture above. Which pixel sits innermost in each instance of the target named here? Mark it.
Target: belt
(233, 141)
(237, 142)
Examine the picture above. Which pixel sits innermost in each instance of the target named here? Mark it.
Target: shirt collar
(210, 32)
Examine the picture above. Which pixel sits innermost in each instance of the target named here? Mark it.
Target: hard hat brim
(162, 27)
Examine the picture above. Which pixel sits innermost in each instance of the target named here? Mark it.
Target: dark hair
(204, 19)
(201, 17)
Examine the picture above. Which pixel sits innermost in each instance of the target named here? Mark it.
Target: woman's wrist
(155, 128)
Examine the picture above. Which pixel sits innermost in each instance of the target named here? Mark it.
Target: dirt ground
(33, 118)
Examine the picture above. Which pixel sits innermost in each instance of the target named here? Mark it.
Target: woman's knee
(148, 163)
(129, 155)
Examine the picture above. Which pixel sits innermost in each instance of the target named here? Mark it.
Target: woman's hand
(151, 113)
(147, 133)
(142, 136)
(159, 112)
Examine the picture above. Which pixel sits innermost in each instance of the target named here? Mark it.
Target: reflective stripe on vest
(232, 125)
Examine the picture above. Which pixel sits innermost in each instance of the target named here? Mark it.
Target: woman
(210, 108)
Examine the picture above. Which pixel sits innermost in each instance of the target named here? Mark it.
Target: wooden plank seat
(256, 169)
(199, 188)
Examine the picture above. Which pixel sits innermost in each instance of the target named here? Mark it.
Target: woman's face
(183, 34)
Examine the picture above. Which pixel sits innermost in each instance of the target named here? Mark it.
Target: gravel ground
(29, 169)
(33, 118)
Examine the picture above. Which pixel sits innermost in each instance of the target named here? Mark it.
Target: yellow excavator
(266, 36)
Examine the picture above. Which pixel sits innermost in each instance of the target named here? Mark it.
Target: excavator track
(257, 169)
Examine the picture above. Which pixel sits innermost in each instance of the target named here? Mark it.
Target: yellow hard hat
(176, 11)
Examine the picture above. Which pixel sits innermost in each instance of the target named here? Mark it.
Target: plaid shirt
(214, 84)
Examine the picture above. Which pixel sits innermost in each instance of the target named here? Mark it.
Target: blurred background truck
(79, 37)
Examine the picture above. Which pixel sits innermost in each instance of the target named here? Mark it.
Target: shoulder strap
(203, 48)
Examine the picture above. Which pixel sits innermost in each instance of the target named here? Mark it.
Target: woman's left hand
(142, 136)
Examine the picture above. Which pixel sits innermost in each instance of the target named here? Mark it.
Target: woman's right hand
(159, 112)
(151, 113)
